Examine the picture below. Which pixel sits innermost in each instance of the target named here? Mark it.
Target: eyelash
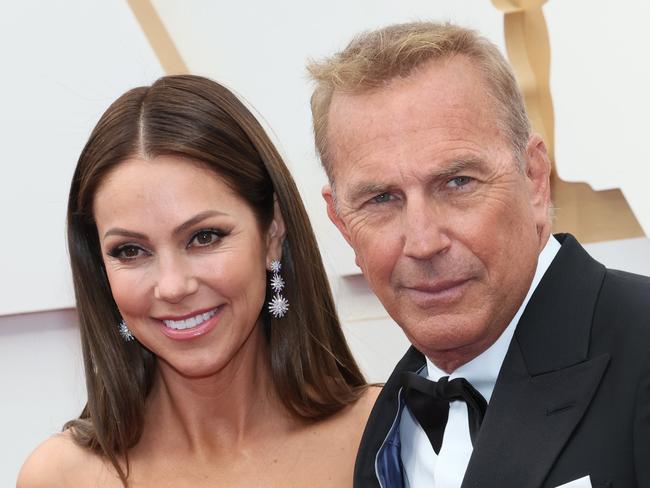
(466, 181)
(117, 251)
(461, 182)
(217, 233)
(385, 198)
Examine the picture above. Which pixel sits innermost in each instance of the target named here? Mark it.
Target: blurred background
(583, 67)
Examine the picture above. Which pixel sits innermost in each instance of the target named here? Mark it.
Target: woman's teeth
(191, 322)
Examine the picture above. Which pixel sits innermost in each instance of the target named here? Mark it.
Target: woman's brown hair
(197, 119)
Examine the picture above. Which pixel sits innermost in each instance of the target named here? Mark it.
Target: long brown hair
(195, 118)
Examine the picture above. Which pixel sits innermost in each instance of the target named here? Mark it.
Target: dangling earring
(126, 334)
(279, 305)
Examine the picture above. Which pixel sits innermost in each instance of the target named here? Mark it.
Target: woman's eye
(205, 238)
(459, 181)
(127, 252)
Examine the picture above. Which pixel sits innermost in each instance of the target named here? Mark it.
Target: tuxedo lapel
(381, 419)
(547, 379)
(529, 421)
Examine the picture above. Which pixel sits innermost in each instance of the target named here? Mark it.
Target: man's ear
(538, 177)
(275, 234)
(328, 195)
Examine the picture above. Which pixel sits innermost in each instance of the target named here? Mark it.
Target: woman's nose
(175, 280)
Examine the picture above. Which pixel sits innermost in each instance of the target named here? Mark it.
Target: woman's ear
(275, 234)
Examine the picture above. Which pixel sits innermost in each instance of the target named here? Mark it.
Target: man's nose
(175, 279)
(424, 229)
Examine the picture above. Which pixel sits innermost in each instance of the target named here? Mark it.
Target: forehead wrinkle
(427, 149)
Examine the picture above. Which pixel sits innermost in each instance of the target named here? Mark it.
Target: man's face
(445, 225)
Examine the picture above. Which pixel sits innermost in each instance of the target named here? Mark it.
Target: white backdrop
(72, 59)
(64, 62)
(69, 60)
(599, 80)
(260, 50)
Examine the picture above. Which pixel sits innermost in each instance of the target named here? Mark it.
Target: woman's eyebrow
(201, 216)
(119, 231)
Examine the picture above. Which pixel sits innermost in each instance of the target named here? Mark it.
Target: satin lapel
(381, 419)
(547, 379)
(529, 421)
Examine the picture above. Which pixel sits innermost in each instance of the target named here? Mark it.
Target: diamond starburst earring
(279, 305)
(126, 334)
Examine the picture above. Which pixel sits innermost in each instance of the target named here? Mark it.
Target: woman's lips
(192, 326)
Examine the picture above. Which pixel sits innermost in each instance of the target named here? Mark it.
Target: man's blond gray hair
(376, 57)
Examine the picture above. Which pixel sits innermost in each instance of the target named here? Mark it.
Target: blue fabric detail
(390, 470)
(389, 459)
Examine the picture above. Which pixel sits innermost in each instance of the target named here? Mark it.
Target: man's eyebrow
(118, 231)
(363, 190)
(454, 168)
(458, 166)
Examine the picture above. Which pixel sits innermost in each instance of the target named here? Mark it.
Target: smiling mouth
(191, 322)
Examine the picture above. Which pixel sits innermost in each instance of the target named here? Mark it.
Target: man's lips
(436, 293)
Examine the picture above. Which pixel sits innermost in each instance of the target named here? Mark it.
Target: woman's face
(186, 261)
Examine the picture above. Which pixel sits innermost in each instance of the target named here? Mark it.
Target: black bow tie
(428, 401)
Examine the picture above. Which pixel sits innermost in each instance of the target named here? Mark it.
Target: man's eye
(381, 198)
(459, 181)
(127, 252)
(205, 238)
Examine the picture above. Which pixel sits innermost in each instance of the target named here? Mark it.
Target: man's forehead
(442, 92)
(449, 80)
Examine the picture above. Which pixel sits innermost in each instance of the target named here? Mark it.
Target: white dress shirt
(422, 467)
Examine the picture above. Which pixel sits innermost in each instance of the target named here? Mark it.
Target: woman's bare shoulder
(364, 404)
(58, 462)
(328, 457)
(353, 418)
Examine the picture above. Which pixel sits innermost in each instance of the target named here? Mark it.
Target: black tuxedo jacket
(573, 395)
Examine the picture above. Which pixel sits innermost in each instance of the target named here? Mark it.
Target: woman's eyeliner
(202, 238)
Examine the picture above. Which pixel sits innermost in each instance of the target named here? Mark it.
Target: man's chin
(446, 340)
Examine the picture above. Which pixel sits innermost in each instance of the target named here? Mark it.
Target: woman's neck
(223, 411)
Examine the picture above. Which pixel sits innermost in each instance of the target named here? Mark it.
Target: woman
(212, 349)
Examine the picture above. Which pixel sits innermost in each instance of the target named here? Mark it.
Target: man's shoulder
(627, 293)
(626, 286)
(618, 295)
(624, 308)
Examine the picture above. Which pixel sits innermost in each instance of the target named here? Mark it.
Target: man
(443, 193)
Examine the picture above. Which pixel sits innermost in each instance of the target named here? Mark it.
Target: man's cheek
(377, 269)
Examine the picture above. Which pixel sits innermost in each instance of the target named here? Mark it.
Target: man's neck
(495, 345)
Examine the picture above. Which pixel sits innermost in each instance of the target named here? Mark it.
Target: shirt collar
(482, 371)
